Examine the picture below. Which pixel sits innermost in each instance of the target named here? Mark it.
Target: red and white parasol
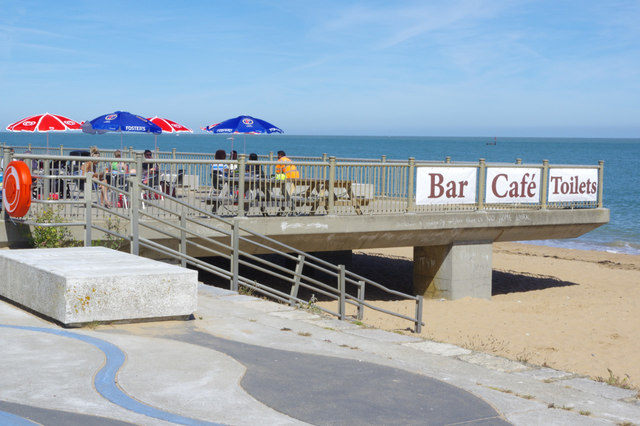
(169, 126)
(44, 123)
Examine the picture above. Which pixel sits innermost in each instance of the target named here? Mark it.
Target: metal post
(332, 183)
(235, 242)
(383, 177)
(600, 183)
(47, 180)
(482, 184)
(544, 184)
(419, 315)
(88, 188)
(324, 157)
(242, 161)
(342, 289)
(411, 201)
(6, 157)
(61, 150)
(296, 279)
(134, 206)
(360, 300)
(183, 237)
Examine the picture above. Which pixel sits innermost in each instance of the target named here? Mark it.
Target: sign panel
(446, 185)
(513, 185)
(573, 185)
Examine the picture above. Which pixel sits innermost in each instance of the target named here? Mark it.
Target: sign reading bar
(513, 185)
(446, 185)
(573, 185)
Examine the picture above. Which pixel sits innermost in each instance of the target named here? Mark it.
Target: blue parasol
(244, 124)
(120, 121)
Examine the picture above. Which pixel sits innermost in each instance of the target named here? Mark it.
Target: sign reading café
(458, 185)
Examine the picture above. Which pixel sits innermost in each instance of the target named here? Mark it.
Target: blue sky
(424, 68)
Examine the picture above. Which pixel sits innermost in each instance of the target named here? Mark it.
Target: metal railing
(327, 186)
(188, 227)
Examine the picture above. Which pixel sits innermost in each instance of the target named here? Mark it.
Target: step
(80, 285)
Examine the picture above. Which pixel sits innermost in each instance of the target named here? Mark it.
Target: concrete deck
(452, 248)
(246, 361)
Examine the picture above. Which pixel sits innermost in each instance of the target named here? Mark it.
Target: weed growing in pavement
(525, 396)
(500, 389)
(614, 380)
(92, 325)
(311, 305)
(246, 291)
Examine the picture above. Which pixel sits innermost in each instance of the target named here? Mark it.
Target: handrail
(326, 185)
(224, 247)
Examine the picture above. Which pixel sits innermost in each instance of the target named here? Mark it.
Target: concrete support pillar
(453, 271)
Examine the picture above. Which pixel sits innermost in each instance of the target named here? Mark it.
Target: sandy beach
(572, 310)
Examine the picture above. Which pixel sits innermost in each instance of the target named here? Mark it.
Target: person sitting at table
(219, 170)
(286, 168)
(99, 172)
(118, 166)
(149, 171)
(253, 170)
(233, 168)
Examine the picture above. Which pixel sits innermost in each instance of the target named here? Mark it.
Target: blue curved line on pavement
(13, 420)
(105, 380)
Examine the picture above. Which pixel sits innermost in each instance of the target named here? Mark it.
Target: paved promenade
(246, 361)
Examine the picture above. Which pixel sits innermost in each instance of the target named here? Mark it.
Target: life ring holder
(16, 189)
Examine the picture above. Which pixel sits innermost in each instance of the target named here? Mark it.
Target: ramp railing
(257, 263)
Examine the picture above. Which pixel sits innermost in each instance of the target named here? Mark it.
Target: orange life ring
(16, 191)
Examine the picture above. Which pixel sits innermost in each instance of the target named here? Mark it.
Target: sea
(621, 162)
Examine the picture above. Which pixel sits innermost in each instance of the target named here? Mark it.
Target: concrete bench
(75, 286)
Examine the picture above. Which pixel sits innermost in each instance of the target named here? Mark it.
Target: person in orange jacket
(287, 169)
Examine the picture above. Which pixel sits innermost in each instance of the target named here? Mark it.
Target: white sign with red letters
(573, 185)
(513, 185)
(446, 185)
